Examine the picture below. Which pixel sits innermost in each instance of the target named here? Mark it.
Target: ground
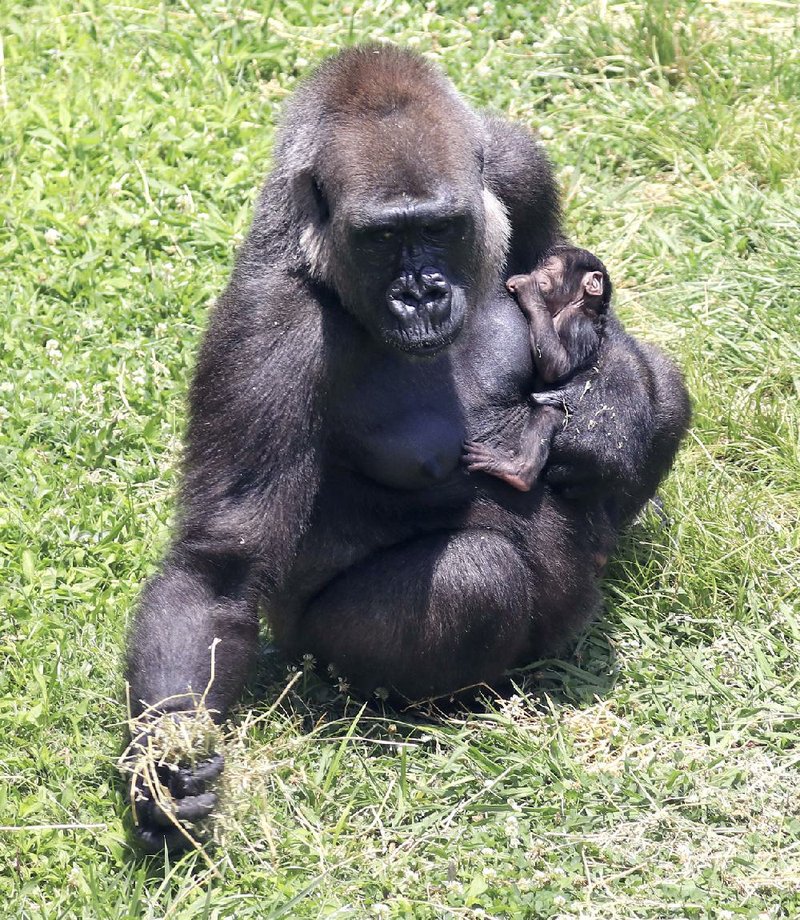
(654, 774)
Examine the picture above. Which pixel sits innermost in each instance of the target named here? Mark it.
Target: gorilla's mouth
(427, 316)
(423, 343)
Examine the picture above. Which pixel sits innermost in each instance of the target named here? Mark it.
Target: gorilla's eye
(438, 228)
(386, 235)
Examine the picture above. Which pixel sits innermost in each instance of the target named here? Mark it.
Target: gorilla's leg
(426, 617)
(452, 610)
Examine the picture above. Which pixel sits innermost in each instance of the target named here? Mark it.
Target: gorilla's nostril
(403, 306)
(433, 281)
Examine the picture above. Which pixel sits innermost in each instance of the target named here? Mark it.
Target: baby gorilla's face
(562, 284)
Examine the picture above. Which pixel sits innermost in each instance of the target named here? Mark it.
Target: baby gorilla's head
(568, 276)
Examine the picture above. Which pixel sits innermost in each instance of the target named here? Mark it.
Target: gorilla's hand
(166, 794)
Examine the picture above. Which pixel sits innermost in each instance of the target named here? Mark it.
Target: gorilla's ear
(321, 201)
(310, 197)
(314, 222)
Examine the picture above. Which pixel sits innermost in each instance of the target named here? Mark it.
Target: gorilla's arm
(517, 170)
(250, 478)
(624, 427)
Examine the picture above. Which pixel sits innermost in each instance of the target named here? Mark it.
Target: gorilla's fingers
(154, 840)
(196, 807)
(191, 781)
(549, 398)
(519, 283)
(191, 808)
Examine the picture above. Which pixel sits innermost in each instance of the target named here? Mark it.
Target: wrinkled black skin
(323, 475)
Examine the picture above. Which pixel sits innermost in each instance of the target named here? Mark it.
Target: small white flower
(115, 189)
(301, 62)
(185, 202)
(6, 387)
(516, 37)
(51, 236)
(4, 413)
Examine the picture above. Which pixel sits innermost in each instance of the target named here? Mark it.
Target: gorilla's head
(385, 162)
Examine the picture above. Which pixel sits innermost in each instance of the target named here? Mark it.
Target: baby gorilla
(566, 300)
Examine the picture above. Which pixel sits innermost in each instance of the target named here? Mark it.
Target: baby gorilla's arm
(551, 359)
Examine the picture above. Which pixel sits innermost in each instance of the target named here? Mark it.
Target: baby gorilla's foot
(479, 458)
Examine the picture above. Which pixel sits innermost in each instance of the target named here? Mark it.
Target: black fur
(365, 332)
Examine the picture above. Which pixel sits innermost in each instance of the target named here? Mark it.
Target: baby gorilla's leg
(480, 458)
(522, 470)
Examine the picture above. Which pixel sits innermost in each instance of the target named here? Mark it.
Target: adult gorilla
(364, 335)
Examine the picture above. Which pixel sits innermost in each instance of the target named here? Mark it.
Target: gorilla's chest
(402, 421)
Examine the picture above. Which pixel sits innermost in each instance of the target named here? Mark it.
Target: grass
(655, 774)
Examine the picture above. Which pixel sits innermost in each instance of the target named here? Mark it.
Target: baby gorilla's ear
(593, 284)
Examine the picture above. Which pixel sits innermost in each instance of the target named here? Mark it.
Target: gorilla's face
(406, 234)
(410, 268)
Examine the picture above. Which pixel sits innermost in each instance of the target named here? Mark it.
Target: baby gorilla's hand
(528, 293)
(521, 284)
(167, 796)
